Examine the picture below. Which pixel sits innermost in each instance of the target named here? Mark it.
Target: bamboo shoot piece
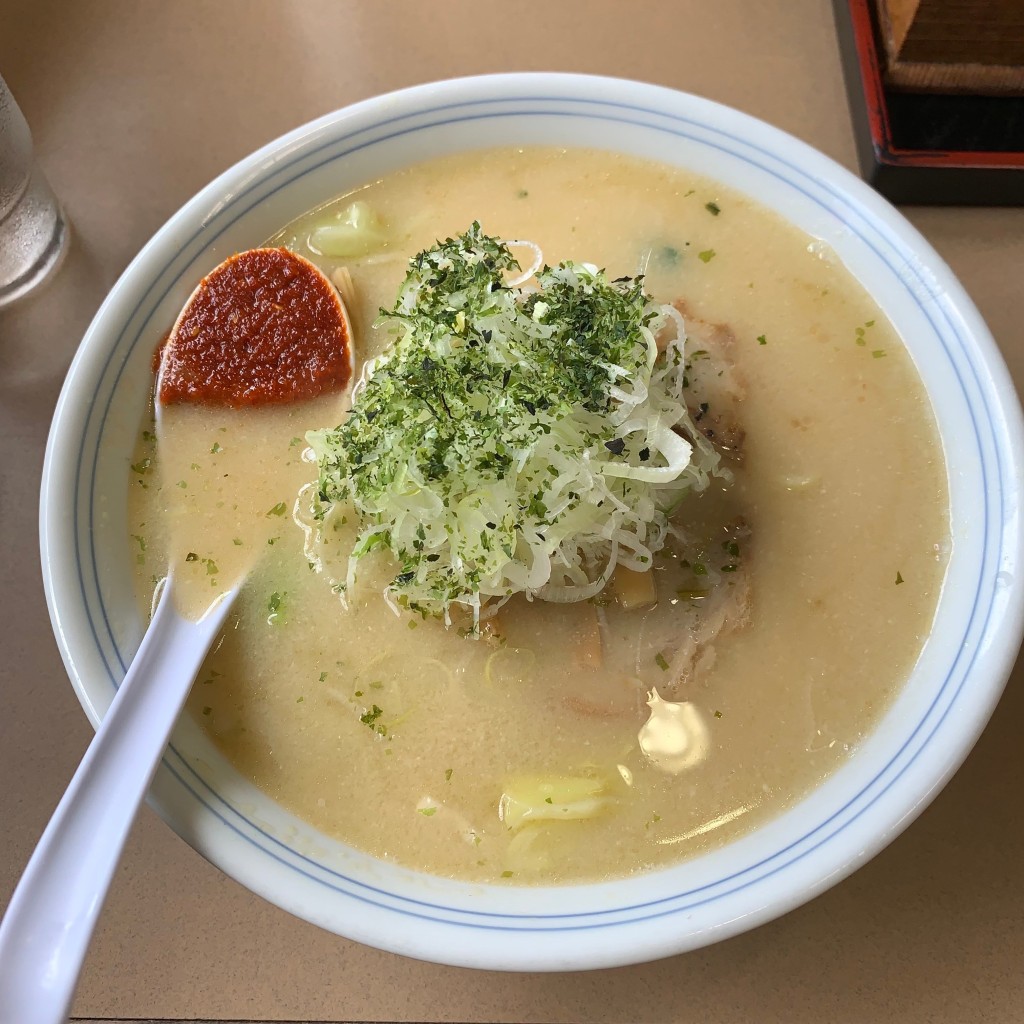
(634, 590)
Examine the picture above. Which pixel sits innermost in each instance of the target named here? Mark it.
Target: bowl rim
(1002, 640)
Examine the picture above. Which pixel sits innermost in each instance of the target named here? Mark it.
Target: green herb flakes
(491, 397)
(859, 334)
(274, 605)
(191, 557)
(448, 774)
(762, 340)
(427, 812)
(216, 448)
(371, 716)
(659, 660)
(899, 578)
(706, 256)
(713, 208)
(278, 510)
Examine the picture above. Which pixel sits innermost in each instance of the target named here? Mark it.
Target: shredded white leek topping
(522, 437)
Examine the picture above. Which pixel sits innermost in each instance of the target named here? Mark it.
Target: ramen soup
(679, 705)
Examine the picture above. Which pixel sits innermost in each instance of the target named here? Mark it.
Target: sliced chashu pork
(722, 608)
(695, 611)
(715, 394)
(716, 388)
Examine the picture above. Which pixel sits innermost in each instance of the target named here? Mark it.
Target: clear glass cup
(33, 231)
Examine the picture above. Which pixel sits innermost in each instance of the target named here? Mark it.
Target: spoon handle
(46, 931)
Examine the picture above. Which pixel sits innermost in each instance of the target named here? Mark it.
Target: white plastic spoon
(46, 930)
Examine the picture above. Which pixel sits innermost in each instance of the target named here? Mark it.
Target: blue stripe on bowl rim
(841, 206)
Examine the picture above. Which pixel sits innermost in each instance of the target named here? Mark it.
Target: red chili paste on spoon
(265, 326)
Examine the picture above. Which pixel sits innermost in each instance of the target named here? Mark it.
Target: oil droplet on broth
(675, 736)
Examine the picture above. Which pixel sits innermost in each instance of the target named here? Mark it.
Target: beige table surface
(134, 107)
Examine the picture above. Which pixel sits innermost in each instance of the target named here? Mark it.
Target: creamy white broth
(840, 488)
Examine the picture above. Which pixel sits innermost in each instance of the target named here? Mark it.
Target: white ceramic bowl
(887, 781)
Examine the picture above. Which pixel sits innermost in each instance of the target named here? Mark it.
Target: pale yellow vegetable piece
(551, 798)
(341, 278)
(355, 232)
(528, 850)
(509, 666)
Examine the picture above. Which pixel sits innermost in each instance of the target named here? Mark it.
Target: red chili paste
(265, 326)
